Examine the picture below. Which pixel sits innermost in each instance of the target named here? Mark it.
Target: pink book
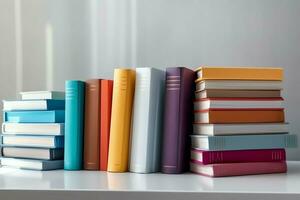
(238, 156)
(238, 169)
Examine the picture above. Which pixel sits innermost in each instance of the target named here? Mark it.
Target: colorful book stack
(33, 131)
(87, 132)
(239, 126)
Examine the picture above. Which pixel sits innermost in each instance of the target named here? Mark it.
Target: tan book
(91, 155)
(237, 93)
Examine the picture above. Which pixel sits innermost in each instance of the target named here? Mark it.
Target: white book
(238, 85)
(32, 163)
(33, 141)
(33, 128)
(239, 129)
(33, 105)
(32, 95)
(147, 120)
(238, 103)
(33, 153)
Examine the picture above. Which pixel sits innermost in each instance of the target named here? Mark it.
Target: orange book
(106, 99)
(239, 73)
(239, 116)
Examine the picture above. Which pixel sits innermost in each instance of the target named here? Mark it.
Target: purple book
(177, 119)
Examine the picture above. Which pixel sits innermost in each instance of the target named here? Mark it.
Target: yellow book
(239, 73)
(122, 100)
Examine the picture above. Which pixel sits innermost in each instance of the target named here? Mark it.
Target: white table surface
(26, 184)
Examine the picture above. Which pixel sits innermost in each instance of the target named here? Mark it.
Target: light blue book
(33, 105)
(74, 124)
(33, 141)
(239, 142)
(53, 116)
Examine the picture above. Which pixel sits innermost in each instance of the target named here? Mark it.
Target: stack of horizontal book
(239, 126)
(33, 131)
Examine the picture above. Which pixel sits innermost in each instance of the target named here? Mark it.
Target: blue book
(33, 141)
(53, 116)
(74, 124)
(239, 142)
(34, 105)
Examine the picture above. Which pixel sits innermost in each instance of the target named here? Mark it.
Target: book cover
(74, 125)
(177, 119)
(147, 120)
(239, 73)
(34, 105)
(243, 142)
(33, 141)
(33, 128)
(215, 93)
(123, 92)
(35, 95)
(91, 153)
(33, 153)
(237, 156)
(52, 116)
(106, 101)
(221, 116)
(238, 169)
(32, 164)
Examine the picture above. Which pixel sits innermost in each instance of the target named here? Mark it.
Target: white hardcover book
(32, 164)
(33, 128)
(33, 105)
(238, 103)
(33, 153)
(147, 120)
(240, 129)
(33, 141)
(238, 85)
(34, 95)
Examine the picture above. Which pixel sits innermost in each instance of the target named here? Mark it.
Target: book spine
(91, 151)
(123, 91)
(177, 122)
(74, 125)
(140, 133)
(106, 101)
(171, 121)
(53, 116)
(268, 155)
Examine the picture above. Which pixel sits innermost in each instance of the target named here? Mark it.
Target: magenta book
(238, 169)
(238, 156)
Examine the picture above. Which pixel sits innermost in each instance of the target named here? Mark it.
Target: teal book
(53, 116)
(74, 124)
(239, 142)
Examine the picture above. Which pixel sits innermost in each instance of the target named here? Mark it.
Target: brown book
(239, 116)
(91, 157)
(237, 93)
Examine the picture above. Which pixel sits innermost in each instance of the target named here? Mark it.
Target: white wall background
(44, 42)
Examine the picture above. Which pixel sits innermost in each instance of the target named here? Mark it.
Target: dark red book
(237, 156)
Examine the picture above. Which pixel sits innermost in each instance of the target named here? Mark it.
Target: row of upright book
(143, 122)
